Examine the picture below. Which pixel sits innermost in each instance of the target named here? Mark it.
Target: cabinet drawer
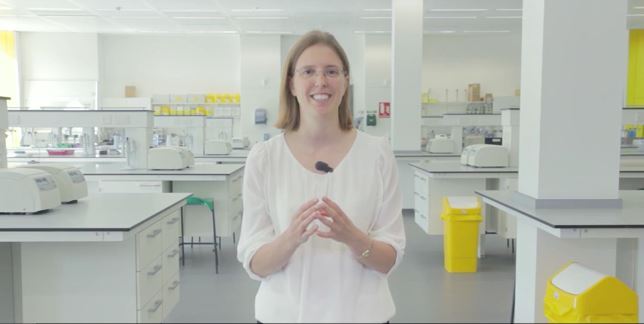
(235, 204)
(235, 184)
(108, 186)
(149, 244)
(236, 222)
(421, 203)
(171, 230)
(150, 281)
(171, 294)
(170, 263)
(421, 183)
(152, 312)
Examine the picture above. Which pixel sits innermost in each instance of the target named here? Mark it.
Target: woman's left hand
(341, 228)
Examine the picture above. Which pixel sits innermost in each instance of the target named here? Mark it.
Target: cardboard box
(130, 91)
(474, 92)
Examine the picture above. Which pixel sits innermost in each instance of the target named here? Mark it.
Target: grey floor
(422, 289)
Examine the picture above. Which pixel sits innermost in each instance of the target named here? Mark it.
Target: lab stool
(210, 204)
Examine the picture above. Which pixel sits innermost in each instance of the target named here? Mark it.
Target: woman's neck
(319, 132)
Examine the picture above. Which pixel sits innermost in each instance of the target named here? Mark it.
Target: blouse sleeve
(389, 226)
(257, 228)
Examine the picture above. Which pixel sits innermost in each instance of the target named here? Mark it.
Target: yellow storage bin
(577, 294)
(461, 217)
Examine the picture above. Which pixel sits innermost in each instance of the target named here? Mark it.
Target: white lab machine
(215, 147)
(170, 158)
(27, 191)
(485, 156)
(70, 180)
(240, 142)
(440, 144)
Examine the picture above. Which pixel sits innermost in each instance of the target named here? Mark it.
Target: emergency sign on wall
(384, 110)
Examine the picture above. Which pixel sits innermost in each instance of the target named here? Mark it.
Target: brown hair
(289, 112)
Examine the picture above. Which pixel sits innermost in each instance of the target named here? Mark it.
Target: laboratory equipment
(185, 131)
(240, 142)
(440, 144)
(485, 156)
(137, 125)
(170, 158)
(27, 191)
(4, 126)
(577, 294)
(216, 147)
(69, 179)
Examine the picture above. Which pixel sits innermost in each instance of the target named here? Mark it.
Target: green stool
(210, 204)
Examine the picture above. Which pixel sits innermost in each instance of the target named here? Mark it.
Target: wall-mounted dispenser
(261, 116)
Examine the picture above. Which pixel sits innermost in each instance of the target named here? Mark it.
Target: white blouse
(323, 281)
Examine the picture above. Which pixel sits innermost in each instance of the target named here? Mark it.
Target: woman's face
(319, 81)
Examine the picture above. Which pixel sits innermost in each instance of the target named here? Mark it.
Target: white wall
(169, 64)
(260, 81)
(453, 61)
(58, 67)
(377, 72)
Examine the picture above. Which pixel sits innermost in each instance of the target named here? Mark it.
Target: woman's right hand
(298, 231)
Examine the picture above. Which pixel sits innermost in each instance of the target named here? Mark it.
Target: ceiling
(261, 16)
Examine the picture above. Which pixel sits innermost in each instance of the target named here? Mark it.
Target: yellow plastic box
(577, 294)
(461, 217)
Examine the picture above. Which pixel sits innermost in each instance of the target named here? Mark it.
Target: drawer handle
(419, 196)
(156, 270)
(174, 253)
(156, 306)
(173, 221)
(155, 233)
(149, 185)
(420, 178)
(174, 286)
(236, 198)
(237, 179)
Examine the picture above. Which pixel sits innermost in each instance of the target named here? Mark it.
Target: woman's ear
(291, 87)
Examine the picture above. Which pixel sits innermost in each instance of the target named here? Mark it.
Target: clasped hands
(327, 212)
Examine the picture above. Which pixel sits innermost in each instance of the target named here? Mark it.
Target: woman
(322, 244)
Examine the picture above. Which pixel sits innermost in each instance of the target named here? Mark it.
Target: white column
(260, 81)
(4, 125)
(510, 123)
(573, 72)
(407, 58)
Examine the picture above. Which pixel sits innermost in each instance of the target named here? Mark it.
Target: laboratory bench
(222, 182)
(107, 258)
(608, 240)
(434, 180)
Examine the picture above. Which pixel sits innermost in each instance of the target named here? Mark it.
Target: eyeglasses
(330, 72)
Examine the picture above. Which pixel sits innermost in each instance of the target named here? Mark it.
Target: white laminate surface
(436, 167)
(631, 215)
(104, 212)
(422, 154)
(107, 168)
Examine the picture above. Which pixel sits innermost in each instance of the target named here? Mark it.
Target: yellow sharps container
(461, 217)
(577, 294)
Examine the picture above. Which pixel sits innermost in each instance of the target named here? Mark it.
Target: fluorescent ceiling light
(200, 18)
(54, 9)
(486, 31)
(260, 18)
(440, 31)
(455, 17)
(267, 32)
(375, 17)
(504, 17)
(508, 9)
(190, 10)
(457, 10)
(257, 10)
(377, 10)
